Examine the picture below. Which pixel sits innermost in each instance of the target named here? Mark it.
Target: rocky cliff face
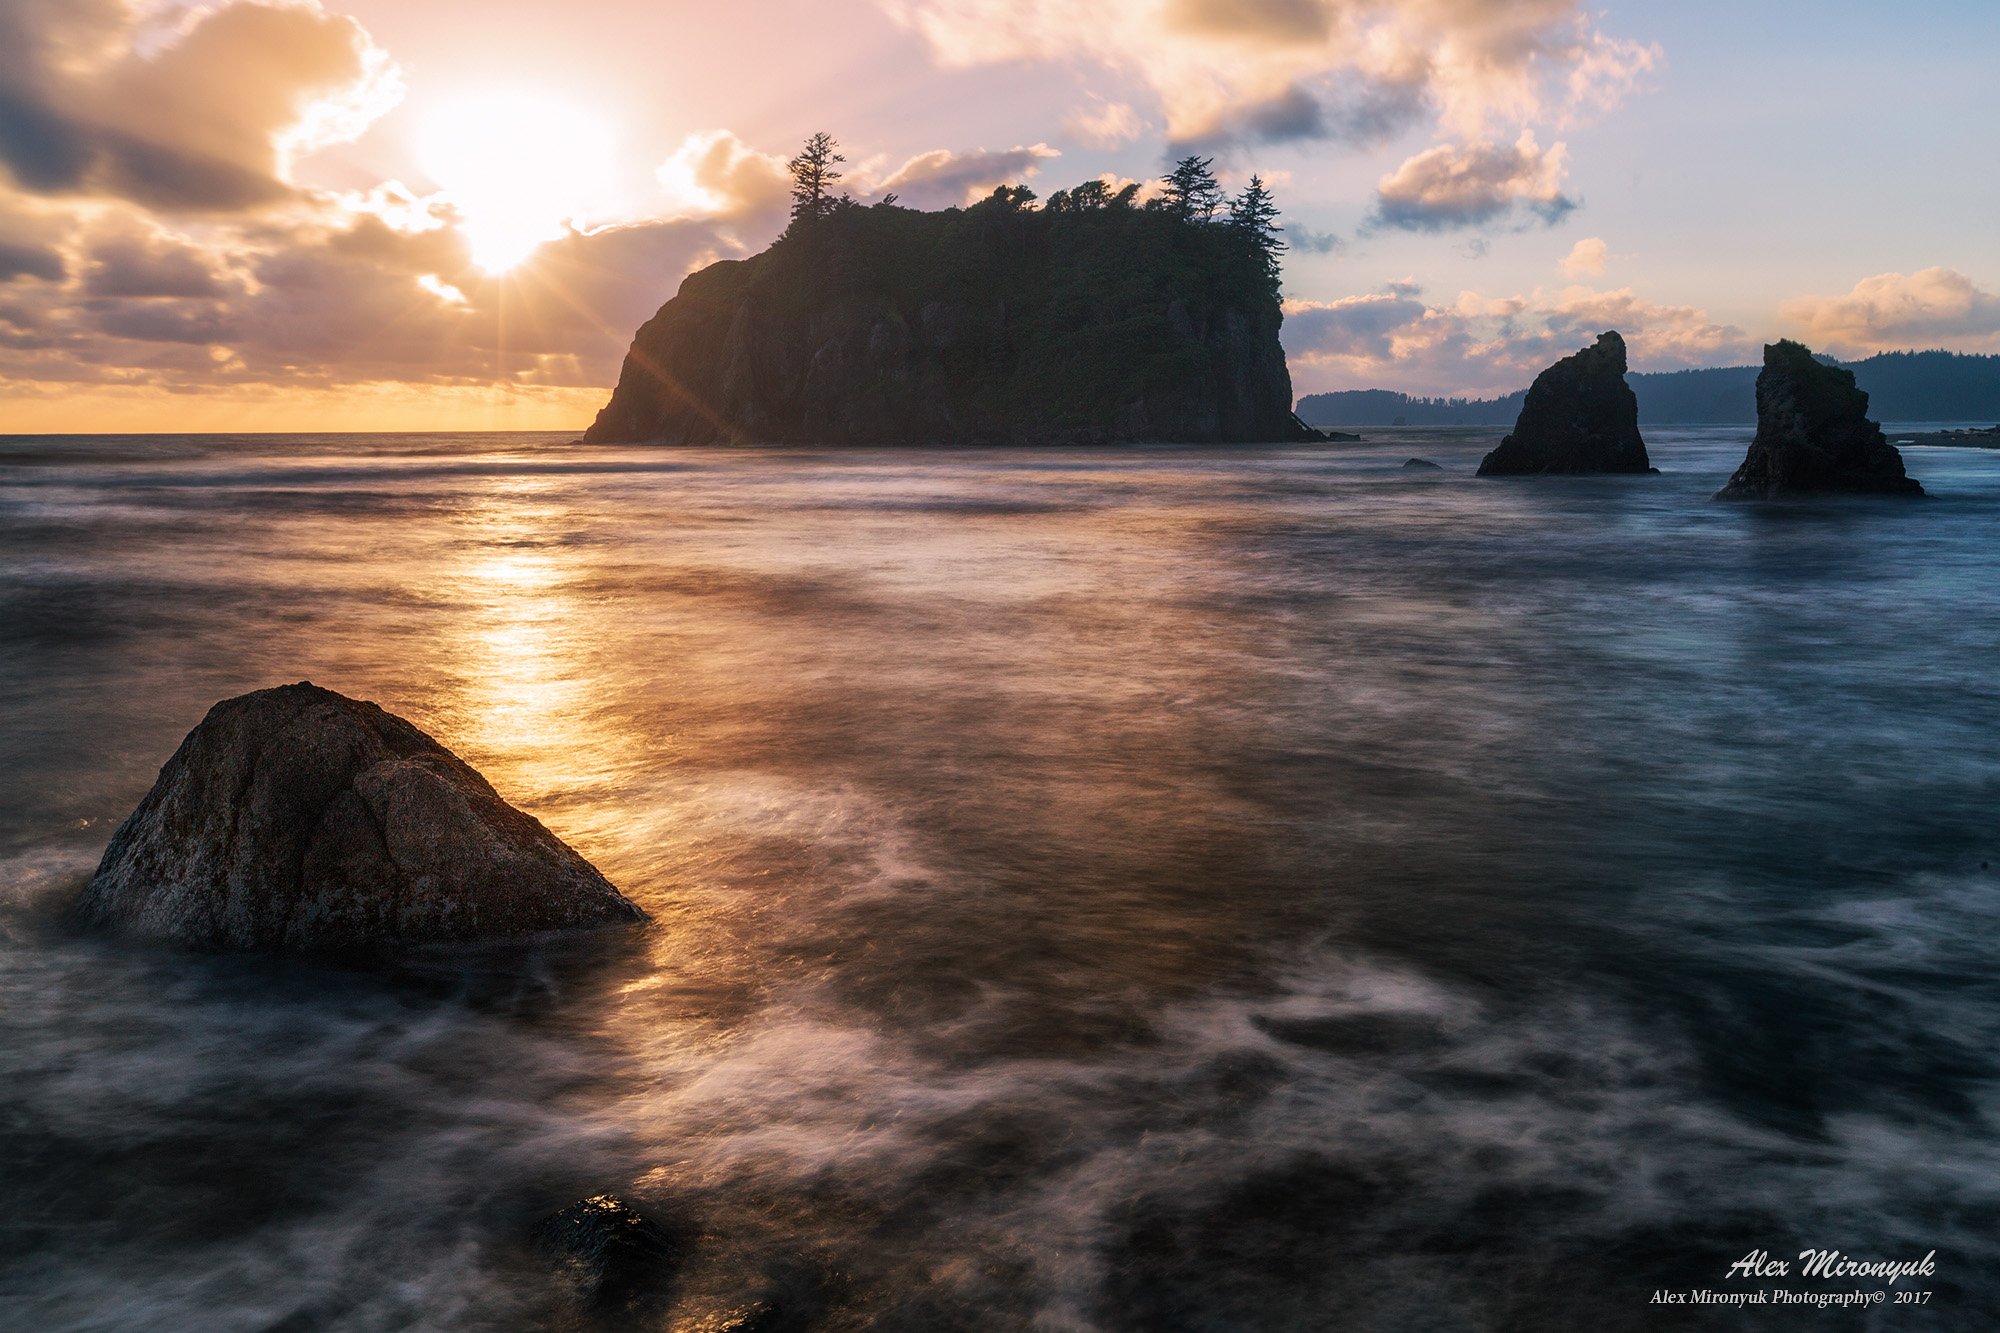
(988, 325)
(1814, 435)
(1579, 416)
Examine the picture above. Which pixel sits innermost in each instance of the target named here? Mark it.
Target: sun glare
(518, 166)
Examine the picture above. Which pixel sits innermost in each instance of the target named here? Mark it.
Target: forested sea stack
(1579, 416)
(1086, 320)
(1814, 435)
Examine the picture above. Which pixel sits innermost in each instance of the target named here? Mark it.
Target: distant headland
(1901, 386)
(1093, 318)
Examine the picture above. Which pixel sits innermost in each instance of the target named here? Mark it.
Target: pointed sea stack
(300, 820)
(1814, 435)
(1579, 417)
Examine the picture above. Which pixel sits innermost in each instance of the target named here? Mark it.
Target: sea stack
(994, 324)
(1579, 417)
(1814, 435)
(296, 819)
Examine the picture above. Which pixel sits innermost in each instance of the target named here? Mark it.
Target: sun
(519, 166)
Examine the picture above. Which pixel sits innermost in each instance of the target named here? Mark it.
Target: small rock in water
(1814, 435)
(1580, 416)
(1424, 463)
(299, 819)
(612, 1254)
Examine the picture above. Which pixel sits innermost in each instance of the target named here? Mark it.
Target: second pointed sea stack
(1814, 435)
(1580, 416)
(300, 820)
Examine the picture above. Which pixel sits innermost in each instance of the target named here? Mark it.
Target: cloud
(149, 266)
(1488, 345)
(1304, 240)
(18, 260)
(943, 179)
(716, 174)
(338, 295)
(1585, 258)
(1362, 117)
(208, 122)
(1244, 70)
(1928, 307)
(1263, 22)
(1354, 328)
(1447, 187)
(195, 322)
(1106, 124)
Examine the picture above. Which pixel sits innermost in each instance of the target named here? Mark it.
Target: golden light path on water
(521, 652)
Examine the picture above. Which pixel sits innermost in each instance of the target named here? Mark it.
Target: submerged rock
(1814, 435)
(612, 1254)
(1330, 436)
(1579, 416)
(299, 819)
(1423, 463)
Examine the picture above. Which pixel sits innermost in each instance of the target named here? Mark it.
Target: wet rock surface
(611, 1254)
(298, 819)
(1814, 435)
(1579, 417)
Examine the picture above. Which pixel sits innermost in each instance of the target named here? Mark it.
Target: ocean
(1126, 889)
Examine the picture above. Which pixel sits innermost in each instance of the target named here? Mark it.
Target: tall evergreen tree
(813, 176)
(1192, 192)
(1253, 213)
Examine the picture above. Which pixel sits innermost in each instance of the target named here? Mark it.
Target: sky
(423, 214)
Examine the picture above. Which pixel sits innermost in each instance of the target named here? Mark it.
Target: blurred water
(1130, 889)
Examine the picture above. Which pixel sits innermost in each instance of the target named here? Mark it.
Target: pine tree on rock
(1192, 192)
(813, 176)
(1254, 214)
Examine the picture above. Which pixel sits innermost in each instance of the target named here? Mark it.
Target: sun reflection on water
(524, 703)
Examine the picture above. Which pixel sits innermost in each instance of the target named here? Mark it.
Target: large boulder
(1814, 435)
(299, 819)
(1579, 416)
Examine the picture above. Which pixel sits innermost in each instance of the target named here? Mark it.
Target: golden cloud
(1585, 258)
(208, 122)
(1449, 187)
(716, 174)
(1353, 70)
(1931, 306)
